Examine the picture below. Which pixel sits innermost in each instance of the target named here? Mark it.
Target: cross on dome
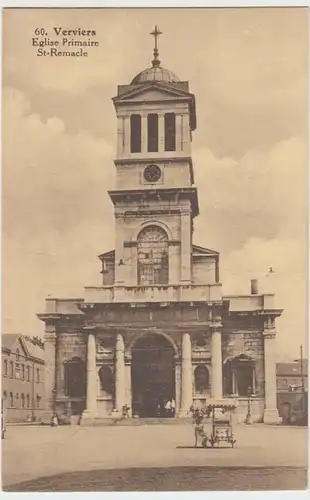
(156, 33)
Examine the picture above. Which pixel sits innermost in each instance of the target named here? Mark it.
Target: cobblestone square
(151, 458)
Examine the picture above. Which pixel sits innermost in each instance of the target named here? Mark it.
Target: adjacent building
(159, 326)
(292, 391)
(23, 387)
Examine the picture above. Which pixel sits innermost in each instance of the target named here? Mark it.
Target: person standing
(172, 407)
(168, 408)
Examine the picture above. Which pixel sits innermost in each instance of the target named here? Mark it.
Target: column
(50, 370)
(144, 133)
(186, 247)
(89, 413)
(161, 133)
(186, 375)
(120, 135)
(127, 134)
(177, 386)
(271, 414)
(216, 361)
(119, 374)
(179, 132)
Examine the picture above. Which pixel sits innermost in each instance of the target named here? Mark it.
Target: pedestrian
(54, 421)
(173, 407)
(168, 408)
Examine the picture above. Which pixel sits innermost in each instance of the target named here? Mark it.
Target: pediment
(153, 92)
(197, 250)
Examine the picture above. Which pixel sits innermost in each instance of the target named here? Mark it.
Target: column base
(88, 418)
(271, 416)
(117, 414)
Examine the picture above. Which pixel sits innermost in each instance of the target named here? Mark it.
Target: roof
(155, 73)
(197, 250)
(9, 340)
(292, 369)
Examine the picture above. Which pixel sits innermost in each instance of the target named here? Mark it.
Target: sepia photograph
(154, 249)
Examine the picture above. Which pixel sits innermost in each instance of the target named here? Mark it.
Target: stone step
(141, 421)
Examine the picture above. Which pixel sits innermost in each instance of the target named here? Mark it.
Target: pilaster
(271, 414)
(50, 370)
(186, 247)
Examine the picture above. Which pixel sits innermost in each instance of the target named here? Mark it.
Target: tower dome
(155, 73)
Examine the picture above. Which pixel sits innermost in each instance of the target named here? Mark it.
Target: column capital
(269, 334)
(216, 326)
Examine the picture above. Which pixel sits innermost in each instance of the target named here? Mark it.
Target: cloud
(56, 213)
(255, 212)
(288, 258)
(264, 194)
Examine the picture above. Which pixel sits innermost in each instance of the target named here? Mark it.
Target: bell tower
(155, 199)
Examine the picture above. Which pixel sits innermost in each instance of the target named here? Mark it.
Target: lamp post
(249, 418)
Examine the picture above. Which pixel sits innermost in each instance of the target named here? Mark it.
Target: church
(158, 328)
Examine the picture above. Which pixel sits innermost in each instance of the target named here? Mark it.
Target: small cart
(220, 414)
(222, 429)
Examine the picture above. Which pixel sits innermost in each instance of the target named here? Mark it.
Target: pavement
(30, 453)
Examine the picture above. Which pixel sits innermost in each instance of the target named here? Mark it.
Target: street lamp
(249, 418)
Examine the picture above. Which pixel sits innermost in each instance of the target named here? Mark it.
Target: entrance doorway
(153, 376)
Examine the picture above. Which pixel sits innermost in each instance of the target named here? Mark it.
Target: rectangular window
(170, 132)
(135, 133)
(5, 368)
(28, 373)
(11, 369)
(152, 133)
(38, 375)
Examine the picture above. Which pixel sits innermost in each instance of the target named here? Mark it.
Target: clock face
(152, 173)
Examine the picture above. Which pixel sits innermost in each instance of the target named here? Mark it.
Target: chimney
(254, 287)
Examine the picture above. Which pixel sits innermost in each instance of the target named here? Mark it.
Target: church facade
(159, 327)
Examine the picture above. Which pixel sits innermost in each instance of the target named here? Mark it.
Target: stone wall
(69, 345)
(251, 344)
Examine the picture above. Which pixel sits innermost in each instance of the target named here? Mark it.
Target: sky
(248, 70)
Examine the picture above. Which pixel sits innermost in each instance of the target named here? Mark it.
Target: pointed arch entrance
(152, 376)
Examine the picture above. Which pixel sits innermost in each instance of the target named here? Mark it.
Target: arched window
(5, 368)
(75, 378)
(4, 394)
(201, 378)
(239, 376)
(23, 399)
(153, 256)
(17, 399)
(135, 133)
(38, 375)
(11, 401)
(106, 381)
